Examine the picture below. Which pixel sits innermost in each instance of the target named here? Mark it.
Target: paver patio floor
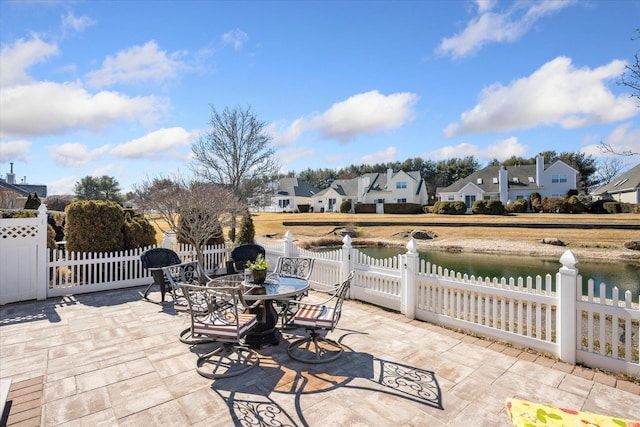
(111, 358)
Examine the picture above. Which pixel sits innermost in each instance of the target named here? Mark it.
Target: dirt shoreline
(490, 246)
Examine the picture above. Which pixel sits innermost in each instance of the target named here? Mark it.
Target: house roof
(24, 189)
(295, 187)
(628, 181)
(523, 176)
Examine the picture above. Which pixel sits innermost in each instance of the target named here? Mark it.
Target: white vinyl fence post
(408, 284)
(567, 286)
(347, 263)
(289, 247)
(41, 255)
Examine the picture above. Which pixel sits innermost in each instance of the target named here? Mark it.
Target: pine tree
(247, 232)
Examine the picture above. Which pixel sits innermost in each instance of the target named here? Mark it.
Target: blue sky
(123, 88)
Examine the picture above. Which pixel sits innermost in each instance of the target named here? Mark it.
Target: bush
(216, 237)
(94, 226)
(488, 207)
(450, 208)
(535, 201)
(138, 233)
(612, 207)
(402, 208)
(517, 206)
(555, 205)
(596, 207)
(345, 206)
(575, 205)
(365, 208)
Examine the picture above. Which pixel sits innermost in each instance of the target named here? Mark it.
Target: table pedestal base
(265, 332)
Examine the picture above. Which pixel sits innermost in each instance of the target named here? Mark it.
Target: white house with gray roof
(291, 193)
(379, 188)
(506, 183)
(625, 188)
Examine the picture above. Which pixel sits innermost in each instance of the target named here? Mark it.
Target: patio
(110, 358)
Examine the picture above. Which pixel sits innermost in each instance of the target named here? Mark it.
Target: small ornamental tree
(247, 232)
(33, 202)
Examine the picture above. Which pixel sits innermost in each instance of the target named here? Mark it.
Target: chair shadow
(252, 398)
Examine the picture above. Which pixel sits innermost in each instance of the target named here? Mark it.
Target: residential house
(292, 193)
(379, 188)
(13, 195)
(506, 183)
(625, 188)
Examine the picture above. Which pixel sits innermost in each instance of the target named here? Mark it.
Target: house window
(516, 180)
(378, 200)
(559, 178)
(495, 180)
(531, 180)
(402, 200)
(519, 197)
(401, 184)
(469, 200)
(479, 181)
(283, 203)
(451, 198)
(332, 203)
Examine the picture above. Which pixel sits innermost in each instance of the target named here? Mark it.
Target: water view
(624, 275)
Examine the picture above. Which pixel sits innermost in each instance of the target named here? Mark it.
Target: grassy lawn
(396, 227)
(272, 224)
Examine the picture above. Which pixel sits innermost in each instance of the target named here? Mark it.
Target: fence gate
(23, 263)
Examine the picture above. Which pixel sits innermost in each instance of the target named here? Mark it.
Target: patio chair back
(240, 255)
(153, 260)
(299, 267)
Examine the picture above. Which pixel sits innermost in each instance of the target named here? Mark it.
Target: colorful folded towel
(529, 414)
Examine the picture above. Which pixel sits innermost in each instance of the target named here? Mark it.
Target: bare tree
(236, 152)
(609, 169)
(631, 79)
(194, 210)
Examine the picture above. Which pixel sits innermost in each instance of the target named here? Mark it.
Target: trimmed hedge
(365, 208)
(94, 226)
(402, 208)
(488, 207)
(450, 208)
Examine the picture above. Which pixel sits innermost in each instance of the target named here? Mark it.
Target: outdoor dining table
(274, 288)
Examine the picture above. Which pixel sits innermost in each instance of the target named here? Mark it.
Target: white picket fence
(542, 313)
(526, 312)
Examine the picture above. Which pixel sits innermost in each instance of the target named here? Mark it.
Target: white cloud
(362, 114)
(286, 135)
(452, 151)
(76, 23)
(156, 144)
(63, 185)
(54, 108)
(500, 150)
(489, 26)
(138, 63)
(623, 138)
(556, 94)
(366, 113)
(14, 151)
(16, 59)
(505, 149)
(290, 155)
(74, 154)
(389, 154)
(236, 38)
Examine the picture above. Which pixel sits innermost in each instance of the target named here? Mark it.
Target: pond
(624, 275)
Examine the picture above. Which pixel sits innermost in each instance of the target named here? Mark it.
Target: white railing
(77, 272)
(542, 313)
